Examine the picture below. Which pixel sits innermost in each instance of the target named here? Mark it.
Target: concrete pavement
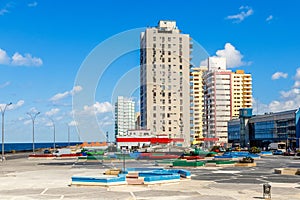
(49, 179)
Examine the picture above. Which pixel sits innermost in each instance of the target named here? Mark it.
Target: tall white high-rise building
(124, 116)
(164, 74)
(217, 99)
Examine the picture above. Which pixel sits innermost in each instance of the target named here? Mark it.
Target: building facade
(241, 92)
(164, 79)
(217, 94)
(261, 130)
(197, 103)
(217, 99)
(136, 139)
(124, 116)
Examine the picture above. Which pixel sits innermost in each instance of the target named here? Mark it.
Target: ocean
(9, 147)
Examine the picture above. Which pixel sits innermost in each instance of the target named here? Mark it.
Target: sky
(46, 48)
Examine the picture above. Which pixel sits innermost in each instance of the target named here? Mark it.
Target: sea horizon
(27, 146)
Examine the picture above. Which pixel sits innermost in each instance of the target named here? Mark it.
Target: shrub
(247, 160)
(254, 150)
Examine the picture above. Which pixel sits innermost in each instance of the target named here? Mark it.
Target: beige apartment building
(217, 94)
(165, 88)
(197, 103)
(241, 92)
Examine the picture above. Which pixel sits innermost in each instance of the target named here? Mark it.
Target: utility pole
(3, 112)
(68, 135)
(33, 116)
(53, 133)
(107, 137)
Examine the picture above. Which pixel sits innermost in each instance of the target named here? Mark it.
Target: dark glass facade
(267, 128)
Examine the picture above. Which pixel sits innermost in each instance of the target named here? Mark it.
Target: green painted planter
(221, 162)
(184, 163)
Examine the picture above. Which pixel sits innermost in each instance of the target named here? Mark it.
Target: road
(49, 179)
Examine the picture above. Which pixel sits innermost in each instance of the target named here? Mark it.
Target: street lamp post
(53, 133)
(33, 116)
(3, 112)
(68, 135)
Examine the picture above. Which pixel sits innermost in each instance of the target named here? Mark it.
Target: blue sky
(44, 43)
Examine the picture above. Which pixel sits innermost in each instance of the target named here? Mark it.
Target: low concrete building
(135, 139)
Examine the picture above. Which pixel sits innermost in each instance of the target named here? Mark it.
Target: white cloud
(296, 84)
(232, 55)
(49, 124)
(278, 75)
(29, 121)
(291, 94)
(246, 11)
(52, 112)
(19, 60)
(288, 100)
(33, 4)
(7, 83)
(76, 89)
(66, 94)
(73, 123)
(33, 110)
(59, 96)
(269, 18)
(26, 60)
(59, 118)
(17, 105)
(13, 106)
(106, 121)
(4, 58)
(297, 76)
(99, 108)
(5, 10)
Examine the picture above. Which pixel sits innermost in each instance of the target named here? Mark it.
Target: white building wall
(124, 115)
(217, 99)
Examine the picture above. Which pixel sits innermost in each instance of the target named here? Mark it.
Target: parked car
(60, 152)
(47, 151)
(277, 152)
(289, 153)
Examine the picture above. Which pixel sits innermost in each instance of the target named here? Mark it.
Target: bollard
(266, 191)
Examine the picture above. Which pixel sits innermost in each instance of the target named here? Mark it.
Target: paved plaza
(21, 178)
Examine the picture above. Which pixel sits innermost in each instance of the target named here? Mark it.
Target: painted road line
(44, 191)
(133, 196)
